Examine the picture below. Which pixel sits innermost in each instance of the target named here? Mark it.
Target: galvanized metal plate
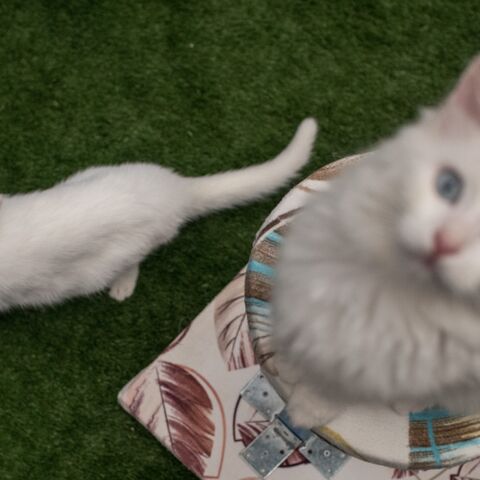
(260, 394)
(271, 448)
(323, 456)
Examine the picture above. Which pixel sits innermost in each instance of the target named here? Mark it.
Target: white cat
(93, 230)
(377, 299)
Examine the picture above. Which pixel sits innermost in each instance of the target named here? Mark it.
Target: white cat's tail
(227, 189)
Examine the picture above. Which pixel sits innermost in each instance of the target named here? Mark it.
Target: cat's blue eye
(449, 184)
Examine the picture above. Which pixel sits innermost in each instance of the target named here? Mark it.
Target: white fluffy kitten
(93, 230)
(378, 292)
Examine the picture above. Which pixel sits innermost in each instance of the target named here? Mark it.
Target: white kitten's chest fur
(377, 297)
(348, 332)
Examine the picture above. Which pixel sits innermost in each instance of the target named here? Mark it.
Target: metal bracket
(271, 448)
(260, 394)
(325, 457)
(280, 439)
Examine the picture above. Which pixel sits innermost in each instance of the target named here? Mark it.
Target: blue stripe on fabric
(257, 301)
(447, 451)
(433, 443)
(430, 414)
(420, 449)
(257, 307)
(257, 267)
(275, 237)
(465, 443)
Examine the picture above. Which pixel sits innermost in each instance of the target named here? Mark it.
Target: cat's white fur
(359, 315)
(93, 230)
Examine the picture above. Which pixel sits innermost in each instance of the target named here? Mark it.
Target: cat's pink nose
(444, 243)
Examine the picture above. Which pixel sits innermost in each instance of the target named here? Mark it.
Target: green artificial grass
(200, 86)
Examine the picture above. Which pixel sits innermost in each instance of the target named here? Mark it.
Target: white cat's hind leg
(124, 285)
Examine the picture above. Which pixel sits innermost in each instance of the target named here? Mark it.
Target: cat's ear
(465, 97)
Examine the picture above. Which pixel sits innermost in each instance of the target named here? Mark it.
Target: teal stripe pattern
(257, 267)
(430, 414)
(432, 451)
(275, 237)
(257, 307)
(445, 446)
(261, 275)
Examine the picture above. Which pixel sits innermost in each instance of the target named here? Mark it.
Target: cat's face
(438, 222)
(436, 177)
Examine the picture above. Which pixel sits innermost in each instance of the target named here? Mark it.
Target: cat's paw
(124, 286)
(121, 292)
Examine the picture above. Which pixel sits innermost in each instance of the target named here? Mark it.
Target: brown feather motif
(187, 409)
(232, 326)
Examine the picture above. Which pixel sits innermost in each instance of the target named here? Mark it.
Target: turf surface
(200, 86)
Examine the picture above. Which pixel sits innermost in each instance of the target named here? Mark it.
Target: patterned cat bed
(192, 398)
(420, 440)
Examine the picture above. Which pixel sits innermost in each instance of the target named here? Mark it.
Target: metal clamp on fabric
(280, 439)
